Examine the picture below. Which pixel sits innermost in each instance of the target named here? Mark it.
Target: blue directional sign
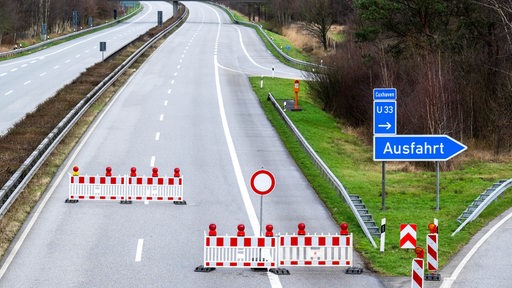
(385, 94)
(384, 117)
(415, 148)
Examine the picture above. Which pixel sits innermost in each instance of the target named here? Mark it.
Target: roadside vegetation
(24, 23)
(411, 192)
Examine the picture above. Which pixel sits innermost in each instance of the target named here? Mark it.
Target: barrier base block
(279, 271)
(354, 270)
(126, 202)
(182, 202)
(201, 268)
(71, 201)
(433, 277)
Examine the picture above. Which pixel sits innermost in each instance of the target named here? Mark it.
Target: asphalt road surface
(190, 106)
(25, 82)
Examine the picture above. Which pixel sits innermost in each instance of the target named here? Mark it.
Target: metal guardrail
(47, 42)
(499, 190)
(324, 169)
(258, 27)
(11, 190)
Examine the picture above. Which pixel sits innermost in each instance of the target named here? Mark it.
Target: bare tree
(319, 16)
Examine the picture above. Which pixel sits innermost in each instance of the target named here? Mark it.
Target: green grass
(410, 197)
(287, 46)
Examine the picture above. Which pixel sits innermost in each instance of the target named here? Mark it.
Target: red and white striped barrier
(96, 188)
(432, 263)
(432, 253)
(126, 188)
(315, 250)
(417, 273)
(239, 251)
(273, 252)
(154, 189)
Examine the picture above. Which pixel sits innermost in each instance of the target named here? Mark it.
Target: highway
(485, 260)
(25, 82)
(189, 106)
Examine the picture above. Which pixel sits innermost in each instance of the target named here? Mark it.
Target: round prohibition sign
(263, 182)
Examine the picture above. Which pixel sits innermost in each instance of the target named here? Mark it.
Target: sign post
(387, 146)
(384, 123)
(262, 183)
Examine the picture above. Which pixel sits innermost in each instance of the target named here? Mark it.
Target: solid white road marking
(447, 283)
(138, 253)
(251, 213)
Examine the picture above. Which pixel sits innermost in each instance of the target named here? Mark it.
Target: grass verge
(410, 192)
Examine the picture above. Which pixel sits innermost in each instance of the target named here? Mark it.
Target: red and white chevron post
(432, 254)
(417, 272)
(408, 236)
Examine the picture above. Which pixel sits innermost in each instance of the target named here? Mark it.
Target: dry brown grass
(301, 39)
(21, 140)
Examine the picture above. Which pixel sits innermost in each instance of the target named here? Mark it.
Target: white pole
(382, 234)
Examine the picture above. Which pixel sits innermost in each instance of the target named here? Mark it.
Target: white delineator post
(382, 234)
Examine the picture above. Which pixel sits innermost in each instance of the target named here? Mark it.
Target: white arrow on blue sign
(415, 148)
(384, 117)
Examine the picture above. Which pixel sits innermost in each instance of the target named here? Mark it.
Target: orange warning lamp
(433, 228)
(419, 252)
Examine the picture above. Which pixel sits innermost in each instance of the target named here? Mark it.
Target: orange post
(296, 89)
